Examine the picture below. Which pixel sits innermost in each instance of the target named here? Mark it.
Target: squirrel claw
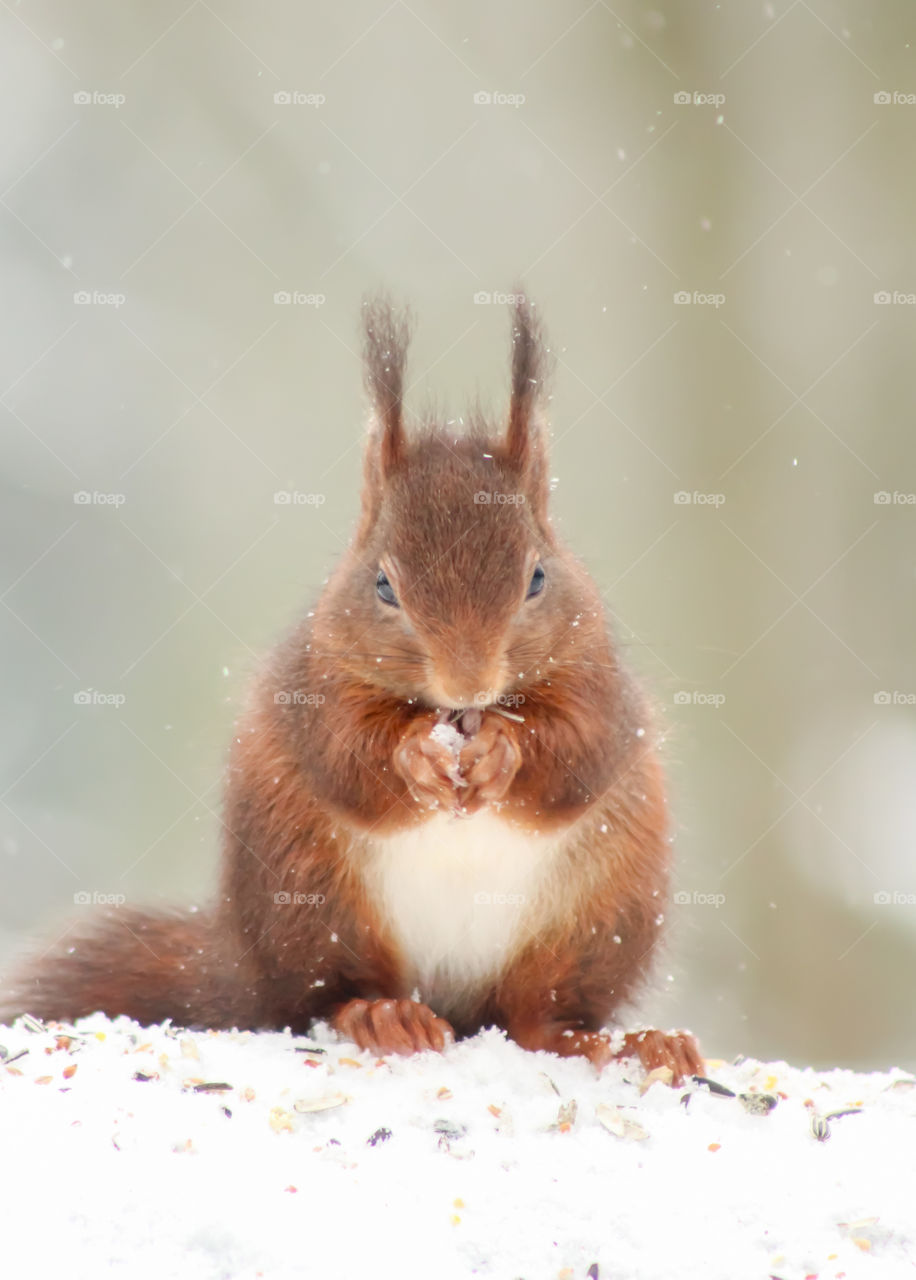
(392, 1026)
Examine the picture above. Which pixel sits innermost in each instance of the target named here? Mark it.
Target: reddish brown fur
(335, 749)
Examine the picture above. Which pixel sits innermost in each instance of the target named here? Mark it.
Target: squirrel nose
(460, 681)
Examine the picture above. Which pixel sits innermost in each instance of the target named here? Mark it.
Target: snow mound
(155, 1152)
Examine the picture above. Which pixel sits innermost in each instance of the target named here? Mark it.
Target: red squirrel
(444, 809)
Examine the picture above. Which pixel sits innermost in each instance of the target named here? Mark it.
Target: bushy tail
(150, 967)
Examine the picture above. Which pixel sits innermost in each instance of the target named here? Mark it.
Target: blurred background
(712, 205)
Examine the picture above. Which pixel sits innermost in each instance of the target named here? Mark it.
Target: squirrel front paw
(488, 763)
(427, 765)
(392, 1026)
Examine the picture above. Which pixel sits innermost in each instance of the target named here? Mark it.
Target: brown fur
(334, 750)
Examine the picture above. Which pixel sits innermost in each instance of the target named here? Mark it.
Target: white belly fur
(460, 895)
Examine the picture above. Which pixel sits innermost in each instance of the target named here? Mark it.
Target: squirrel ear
(385, 336)
(526, 442)
(529, 361)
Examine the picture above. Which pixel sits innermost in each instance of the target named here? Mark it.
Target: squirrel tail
(150, 967)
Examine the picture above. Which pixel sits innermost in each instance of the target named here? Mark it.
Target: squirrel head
(455, 591)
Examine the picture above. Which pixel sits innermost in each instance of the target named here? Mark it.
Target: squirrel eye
(536, 586)
(385, 589)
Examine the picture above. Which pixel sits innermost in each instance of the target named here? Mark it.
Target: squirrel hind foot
(392, 1026)
(676, 1050)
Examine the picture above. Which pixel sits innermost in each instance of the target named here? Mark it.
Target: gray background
(786, 605)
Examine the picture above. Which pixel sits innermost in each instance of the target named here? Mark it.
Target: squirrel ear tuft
(526, 436)
(529, 369)
(386, 333)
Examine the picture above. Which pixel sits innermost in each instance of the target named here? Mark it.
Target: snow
(448, 736)
(473, 1163)
(452, 739)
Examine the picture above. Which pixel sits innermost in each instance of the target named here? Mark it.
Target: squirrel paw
(567, 1040)
(677, 1050)
(427, 766)
(392, 1026)
(488, 763)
